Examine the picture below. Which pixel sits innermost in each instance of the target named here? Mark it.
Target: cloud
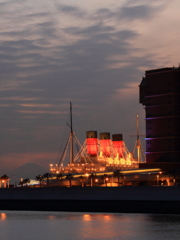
(38, 112)
(131, 12)
(137, 12)
(104, 13)
(18, 98)
(36, 105)
(76, 71)
(92, 55)
(72, 10)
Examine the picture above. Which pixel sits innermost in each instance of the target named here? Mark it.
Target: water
(16, 225)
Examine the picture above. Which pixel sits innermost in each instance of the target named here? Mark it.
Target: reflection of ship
(95, 155)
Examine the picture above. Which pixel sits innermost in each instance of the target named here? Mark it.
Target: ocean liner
(97, 154)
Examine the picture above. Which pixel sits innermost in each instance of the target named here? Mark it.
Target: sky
(92, 53)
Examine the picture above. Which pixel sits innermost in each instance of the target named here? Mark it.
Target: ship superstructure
(96, 155)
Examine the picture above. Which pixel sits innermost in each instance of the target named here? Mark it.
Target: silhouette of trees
(60, 177)
(69, 176)
(24, 182)
(118, 174)
(47, 176)
(92, 176)
(82, 179)
(175, 173)
(40, 179)
(105, 178)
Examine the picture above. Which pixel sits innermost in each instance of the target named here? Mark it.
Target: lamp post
(91, 182)
(87, 175)
(106, 180)
(158, 178)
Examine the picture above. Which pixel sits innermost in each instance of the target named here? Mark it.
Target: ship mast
(138, 147)
(71, 137)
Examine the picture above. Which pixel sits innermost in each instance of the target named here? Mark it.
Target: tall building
(160, 95)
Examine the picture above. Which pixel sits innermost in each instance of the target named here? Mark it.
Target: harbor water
(17, 225)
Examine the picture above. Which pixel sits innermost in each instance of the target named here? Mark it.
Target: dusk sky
(91, 53)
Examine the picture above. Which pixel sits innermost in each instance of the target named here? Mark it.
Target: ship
(95, 155)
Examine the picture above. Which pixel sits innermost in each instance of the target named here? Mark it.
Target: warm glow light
(107, 217)
(87, 217)
(3, 216)
(51, 217)
(105, 146)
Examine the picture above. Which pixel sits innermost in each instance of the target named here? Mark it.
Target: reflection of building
(160, 94)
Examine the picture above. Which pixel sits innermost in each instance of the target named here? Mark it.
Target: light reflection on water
(2, 216)
(17, 225)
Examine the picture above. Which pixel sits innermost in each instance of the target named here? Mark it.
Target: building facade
(160, 95)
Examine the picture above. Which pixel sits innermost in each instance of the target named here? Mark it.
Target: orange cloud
(20, 98)
(36, 105)
(39, 112)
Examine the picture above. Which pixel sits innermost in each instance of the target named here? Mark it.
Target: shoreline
(141, 199)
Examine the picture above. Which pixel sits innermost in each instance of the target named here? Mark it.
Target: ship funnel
(118, 144)
(117, 137)
(92, 143)
(105, 143)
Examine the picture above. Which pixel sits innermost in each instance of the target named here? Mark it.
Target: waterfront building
(160, 95)
(4, 181)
